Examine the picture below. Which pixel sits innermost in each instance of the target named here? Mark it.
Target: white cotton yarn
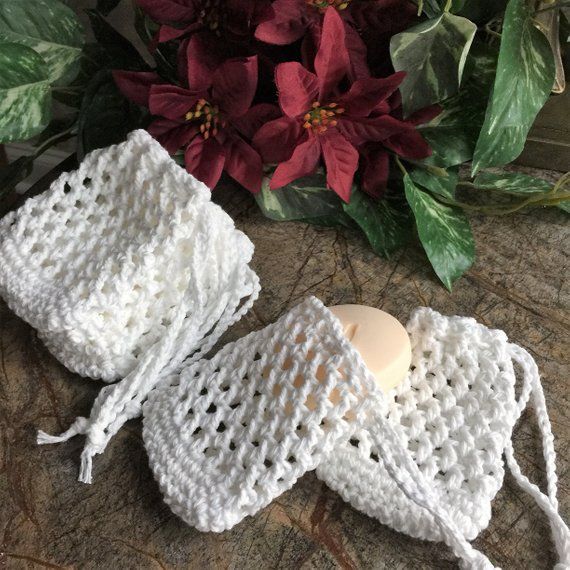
(232, 433)
(126, 269)
(454, 413)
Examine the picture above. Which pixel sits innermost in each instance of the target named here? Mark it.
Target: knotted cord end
(77, 427)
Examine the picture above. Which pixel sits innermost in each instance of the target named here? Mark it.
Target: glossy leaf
(525, 75)
(386, 227)
(442, 185)
(24, 93)
(433, 54)
(444, 232)
(306, 197)
(511, 183)
(105, 117)
(50, 28)
(107, 6)
(453, 134)
(120, 52)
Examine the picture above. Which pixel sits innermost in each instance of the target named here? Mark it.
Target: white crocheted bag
(232, 433)
(126, 268)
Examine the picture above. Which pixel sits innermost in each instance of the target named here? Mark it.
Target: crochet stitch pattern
(126, 268)
(232, 433)
(455, 413)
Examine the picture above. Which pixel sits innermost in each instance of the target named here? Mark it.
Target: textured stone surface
(47, 519)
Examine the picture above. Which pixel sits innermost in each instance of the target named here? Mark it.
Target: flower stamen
(322, 5)
(208, 116)
(320, 118)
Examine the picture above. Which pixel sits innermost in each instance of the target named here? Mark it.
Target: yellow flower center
(208, 116)
(320, 118)
(322, 5)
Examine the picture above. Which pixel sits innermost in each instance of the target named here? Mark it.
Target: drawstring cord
(547, 502)
(185, 341)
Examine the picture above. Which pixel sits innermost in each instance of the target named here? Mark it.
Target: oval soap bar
(380, 339)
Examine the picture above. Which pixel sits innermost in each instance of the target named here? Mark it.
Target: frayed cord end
(77, 427)
(86, 465)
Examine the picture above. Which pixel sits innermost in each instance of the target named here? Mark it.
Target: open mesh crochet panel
(98, 263)
(238, 430)
(455, 413)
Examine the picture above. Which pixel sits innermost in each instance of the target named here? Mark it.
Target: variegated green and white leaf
(442, 185)
(387, 226)
(25, 101)
(433, 55)
(525, 75)
(513, 183)
(307, 197)
(50, 28)
(444, 232)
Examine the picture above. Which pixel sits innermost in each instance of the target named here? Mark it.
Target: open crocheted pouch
(230, 434)
(126, 268)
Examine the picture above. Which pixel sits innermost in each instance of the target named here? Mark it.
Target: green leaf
(307, 197)
(107, 6)
(105, 117)
(441, 185)
(481, 11)
(564, 206)
(48, 27)
(24, 93)
(525, 75)
(14, 173)
(120, 52)
(511, 183)
(444, 232)
(386, 225)
(433, 55)
(453, 134)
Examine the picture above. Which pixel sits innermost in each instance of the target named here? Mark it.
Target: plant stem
(420, 7)
(447, 7)
(400, 165)
(554, 6)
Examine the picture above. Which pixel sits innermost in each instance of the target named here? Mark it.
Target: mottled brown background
(47, 519)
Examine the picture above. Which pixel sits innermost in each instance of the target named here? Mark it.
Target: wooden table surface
(49, 520)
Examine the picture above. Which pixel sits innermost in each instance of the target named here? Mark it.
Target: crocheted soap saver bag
(454, 414)
(232, 433)
(126, 268)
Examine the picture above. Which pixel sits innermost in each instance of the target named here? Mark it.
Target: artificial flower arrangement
(336, 112)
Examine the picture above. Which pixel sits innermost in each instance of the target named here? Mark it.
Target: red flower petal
(201, 63)
(424, 115)
(287, 24)
(169, 10)
(234, 84)
(375, 167)
(168, 33)
(135, 85)
(361, 130)
(341, 161)
(409, 144)
(172, 135)
(365, 95)
(171, 101)
(205, 160)
(277, 139)
(304, 161)
(297, 88)
(255, 118)
(331, 62)
(243, 163)
(357, 54)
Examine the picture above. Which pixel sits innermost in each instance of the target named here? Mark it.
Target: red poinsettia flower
(210, 120)
(292, 19)
(407, 143)
(322, 121)
(234, 18)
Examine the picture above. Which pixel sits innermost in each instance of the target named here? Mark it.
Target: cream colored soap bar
(380, 339)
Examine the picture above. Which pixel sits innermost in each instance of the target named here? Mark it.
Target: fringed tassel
(79, 426)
